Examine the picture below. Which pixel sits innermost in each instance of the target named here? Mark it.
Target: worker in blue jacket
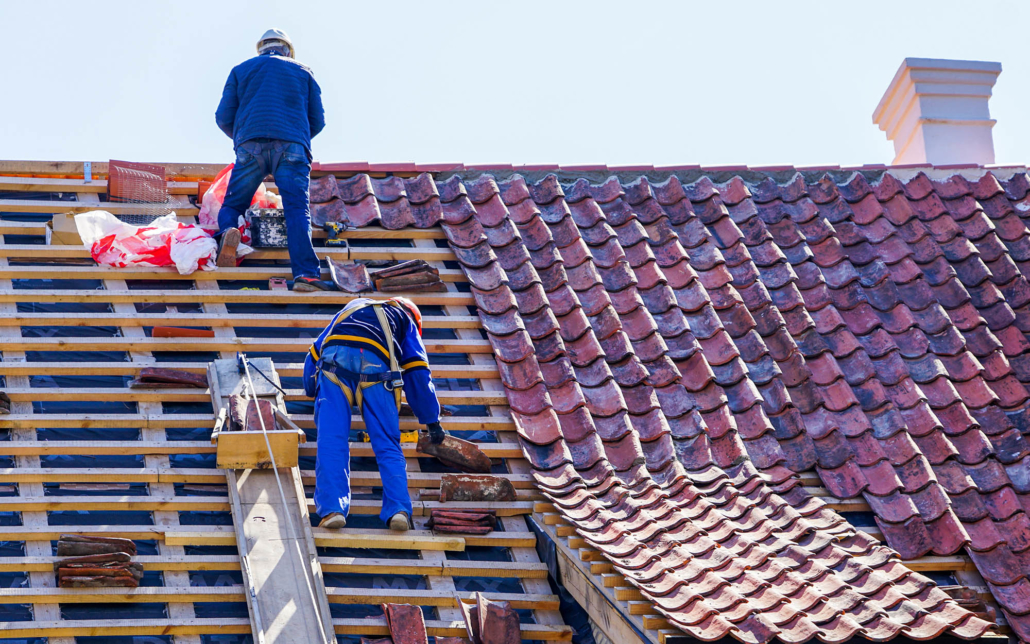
(370, 351)
(271, 108)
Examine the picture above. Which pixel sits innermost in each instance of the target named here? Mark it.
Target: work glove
(436, 434)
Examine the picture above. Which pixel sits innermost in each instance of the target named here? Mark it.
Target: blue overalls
(349, 363)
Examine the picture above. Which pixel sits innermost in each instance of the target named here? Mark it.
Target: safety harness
(393, 379)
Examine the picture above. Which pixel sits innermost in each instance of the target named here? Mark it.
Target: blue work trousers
(290, 164)
(382, 422)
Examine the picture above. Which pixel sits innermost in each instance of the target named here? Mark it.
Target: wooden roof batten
(443, 576)
(607, 597)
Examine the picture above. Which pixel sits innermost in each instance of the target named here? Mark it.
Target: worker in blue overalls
(365, 357)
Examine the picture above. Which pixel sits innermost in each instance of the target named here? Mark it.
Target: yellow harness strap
(394, 365)
(384, 323)
(346, 390)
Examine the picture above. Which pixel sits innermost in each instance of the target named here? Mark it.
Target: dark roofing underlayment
(674, 353)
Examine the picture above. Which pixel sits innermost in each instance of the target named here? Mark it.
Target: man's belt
(392, 379)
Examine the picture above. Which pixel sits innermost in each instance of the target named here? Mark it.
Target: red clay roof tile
(869, 329)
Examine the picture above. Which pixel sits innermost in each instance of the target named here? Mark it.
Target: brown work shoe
(333, 521)
(400, 522)
(227, 248)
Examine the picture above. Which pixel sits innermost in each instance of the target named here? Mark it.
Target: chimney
(935, 111)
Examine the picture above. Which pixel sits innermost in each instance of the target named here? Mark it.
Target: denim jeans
(290, 164)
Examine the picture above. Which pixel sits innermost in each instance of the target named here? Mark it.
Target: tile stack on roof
(674, 353)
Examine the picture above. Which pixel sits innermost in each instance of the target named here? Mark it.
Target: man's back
(271, 96)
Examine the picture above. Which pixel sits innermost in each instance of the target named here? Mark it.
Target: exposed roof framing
(44, 491)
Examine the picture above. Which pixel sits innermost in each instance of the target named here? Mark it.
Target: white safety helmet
(275, 38)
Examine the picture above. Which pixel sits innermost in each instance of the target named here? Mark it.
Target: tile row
(675, 353)
(636, 408)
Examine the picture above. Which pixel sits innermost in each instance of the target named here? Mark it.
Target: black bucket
(267, 228)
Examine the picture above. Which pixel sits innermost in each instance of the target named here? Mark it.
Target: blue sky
(517, 82)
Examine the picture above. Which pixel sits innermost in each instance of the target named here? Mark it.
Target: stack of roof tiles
(674, 353)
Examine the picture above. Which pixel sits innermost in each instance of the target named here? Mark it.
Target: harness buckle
(395, 381)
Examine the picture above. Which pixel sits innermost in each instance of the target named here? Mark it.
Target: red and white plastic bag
(211, 204)
(163, 242)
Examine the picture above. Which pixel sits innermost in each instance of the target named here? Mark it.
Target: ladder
(286, 595)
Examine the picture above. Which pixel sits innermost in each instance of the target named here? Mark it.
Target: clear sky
(516, 82)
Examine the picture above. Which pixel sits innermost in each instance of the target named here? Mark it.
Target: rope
(282, 494)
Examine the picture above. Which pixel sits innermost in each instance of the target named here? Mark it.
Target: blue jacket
(361, 330)
(271, 96)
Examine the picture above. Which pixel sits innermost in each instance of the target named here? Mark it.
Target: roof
(698, 423)
(677, 350)
(85, 451)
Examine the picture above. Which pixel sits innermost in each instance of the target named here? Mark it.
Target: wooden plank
(413, 540)
(112, 394)
(123, 628)
(294, 369)
(34, 251)
(21, 228)
(98, 186)
(940, 564)
(236, 593)
(294, 345)
(74, 169)
(205, 475)
(37, 448)
(370, 626)
(239, 450)
(361, 565)
(29, 420)
(176, 171)
(41, 206)
(443, 567)
(65, 272)
(213, 320)
(8, 295)
(180, 172)
(221, 535)
(114, 503)
(361, 596)
(56, 503)
(90, 447)
(856, 504)
(367, 232)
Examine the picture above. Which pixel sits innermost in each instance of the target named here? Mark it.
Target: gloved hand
(436, 433)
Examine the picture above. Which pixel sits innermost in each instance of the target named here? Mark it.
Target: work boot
(400, 522)
(309, 284)
(333, 521)
(227, 248)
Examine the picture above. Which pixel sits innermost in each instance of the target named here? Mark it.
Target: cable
(270, 381)
(282, 494)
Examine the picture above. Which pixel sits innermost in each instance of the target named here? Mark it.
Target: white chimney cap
(935, 111)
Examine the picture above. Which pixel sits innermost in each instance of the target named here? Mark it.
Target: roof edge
(206, 171)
